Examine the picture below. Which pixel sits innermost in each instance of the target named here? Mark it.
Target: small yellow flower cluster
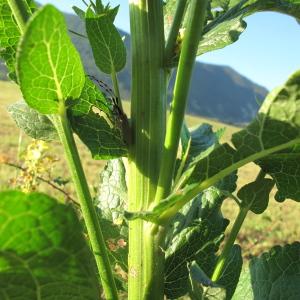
(37, 162)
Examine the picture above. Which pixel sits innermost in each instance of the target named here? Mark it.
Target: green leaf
(255, 195)
(273, 275)
(33, 123)
(48, 65)
(94, 121)
(108, 47)
(226, 28)
(224, 34)
(43, 253)
(79, 12)
(277, 123)
(195, 234)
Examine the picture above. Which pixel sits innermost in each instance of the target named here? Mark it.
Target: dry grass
(279, 224)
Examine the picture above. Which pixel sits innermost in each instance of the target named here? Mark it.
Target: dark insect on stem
(120, 117)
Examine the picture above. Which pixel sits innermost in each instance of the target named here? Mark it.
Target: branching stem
(191, 40)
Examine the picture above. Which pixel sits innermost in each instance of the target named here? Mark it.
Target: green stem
(86, 203)
(229, 243)
(21, 12)
(115, 82)
(233, 234)
(173, 34)
(192, 190)
(148, 115)
(186, 62)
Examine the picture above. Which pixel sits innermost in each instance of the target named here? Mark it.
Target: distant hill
(217, 92)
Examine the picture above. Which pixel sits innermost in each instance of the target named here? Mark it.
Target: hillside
(217, 92)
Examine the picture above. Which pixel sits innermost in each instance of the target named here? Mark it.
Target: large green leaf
(226, 28)
(195, 234)
(43, 253)
(274, 275)
(48, 65)
(108, 47)
(275, 129)
(33, 123)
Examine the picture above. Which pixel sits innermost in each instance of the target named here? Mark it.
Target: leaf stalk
(86, 204)
(229, 244)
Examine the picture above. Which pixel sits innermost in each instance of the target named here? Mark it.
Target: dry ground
(279, 224)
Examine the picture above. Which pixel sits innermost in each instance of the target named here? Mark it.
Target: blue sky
(267, 52)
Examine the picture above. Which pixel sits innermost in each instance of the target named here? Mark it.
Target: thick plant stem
(148, 113)
(191, 40)
(86, 204)
(20, 11)
(229, 243)
(173, 34)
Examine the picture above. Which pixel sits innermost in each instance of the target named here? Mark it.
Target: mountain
(216, 92)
